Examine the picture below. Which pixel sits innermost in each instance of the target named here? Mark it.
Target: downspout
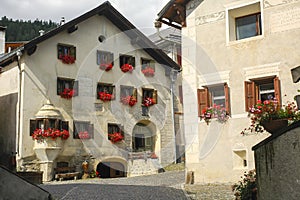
(19, 54)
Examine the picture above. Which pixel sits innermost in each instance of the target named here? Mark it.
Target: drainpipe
(19, 54)
(173, 77)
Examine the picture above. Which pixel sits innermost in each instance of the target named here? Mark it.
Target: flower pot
(275, 125)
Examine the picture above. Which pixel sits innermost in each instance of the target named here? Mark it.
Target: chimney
(2, 39)
(62, 21)
(41, 32)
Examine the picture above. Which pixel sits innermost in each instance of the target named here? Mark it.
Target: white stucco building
(233, 53)
(58, 80)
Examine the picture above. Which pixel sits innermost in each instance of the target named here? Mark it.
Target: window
(261, 89)
(248, 26)
(83, 130)
(114, 128)
(64, 84)
(126, 59)
(107, 89)
(66, 53)
(48, 123)
(216, 94)
(150, 93)
(104, 57)
(240, 159)
(244, 22)
(128, 91)
(147, 63)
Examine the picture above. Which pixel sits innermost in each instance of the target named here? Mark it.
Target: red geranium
(115, 137)
(148, 71)
(84, 135)
(67, 59)
(148, 101)
(105, 96)
(40, 134)
(67, 93)
(127, 68)
(129, 100)
(106, 66)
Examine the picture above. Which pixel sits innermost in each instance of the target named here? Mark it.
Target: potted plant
(83, 135)
(215, 111)
(270, 116)
(148, 71)
(148, 101)
(129, 100)
(67, 93)
(127, 68)
(106, 66)
(115, 137)
(40, 134)
(104, 96)
(67, 59)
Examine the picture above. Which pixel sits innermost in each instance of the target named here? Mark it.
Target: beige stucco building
(233, 53)
(58, 80)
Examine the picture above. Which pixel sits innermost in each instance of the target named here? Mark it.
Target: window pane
(218, 95)
(246, 27)
(266, 91)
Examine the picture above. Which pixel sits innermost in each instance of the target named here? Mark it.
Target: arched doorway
(111, 170)
(143, 137)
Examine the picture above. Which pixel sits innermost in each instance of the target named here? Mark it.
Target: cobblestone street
(168, 185)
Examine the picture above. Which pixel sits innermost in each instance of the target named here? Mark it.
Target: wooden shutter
(155, 96)
(76, 88)
(91, 130)
(203, 100)
(277, 89)
(59, 51)
(32, 125)
(134, 93)
(250, 96)
(227, 98)
(180, 94)
(113, 92)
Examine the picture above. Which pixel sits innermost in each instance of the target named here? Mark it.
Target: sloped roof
(107, 10)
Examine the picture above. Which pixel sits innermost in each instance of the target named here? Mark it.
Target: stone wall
(277, 165)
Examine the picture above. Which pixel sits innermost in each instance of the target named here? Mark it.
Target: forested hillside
(19, 30)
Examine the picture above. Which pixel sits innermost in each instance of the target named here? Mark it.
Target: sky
(141, 13)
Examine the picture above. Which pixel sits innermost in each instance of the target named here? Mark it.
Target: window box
(66, 53)
(67, 88)
(83, 130)
(105, 92)
(127, 63)
(105, 60)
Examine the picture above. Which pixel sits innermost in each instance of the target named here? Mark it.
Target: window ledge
(236, 42)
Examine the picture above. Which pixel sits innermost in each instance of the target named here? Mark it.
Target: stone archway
(111, 168)
(144, 137)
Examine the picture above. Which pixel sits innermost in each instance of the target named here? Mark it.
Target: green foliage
(19, 30)
(246, 188)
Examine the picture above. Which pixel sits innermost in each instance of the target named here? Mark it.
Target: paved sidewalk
(162, 186)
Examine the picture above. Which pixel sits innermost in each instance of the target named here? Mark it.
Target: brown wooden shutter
(203, 100)
(155, 96)
(180, 94)
(277, 89)
(227, 98)
(134, 93)
(91, 130)
(73, 52)
(33, 126)
(250, 98)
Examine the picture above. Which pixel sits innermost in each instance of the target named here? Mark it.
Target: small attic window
(66, 53)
